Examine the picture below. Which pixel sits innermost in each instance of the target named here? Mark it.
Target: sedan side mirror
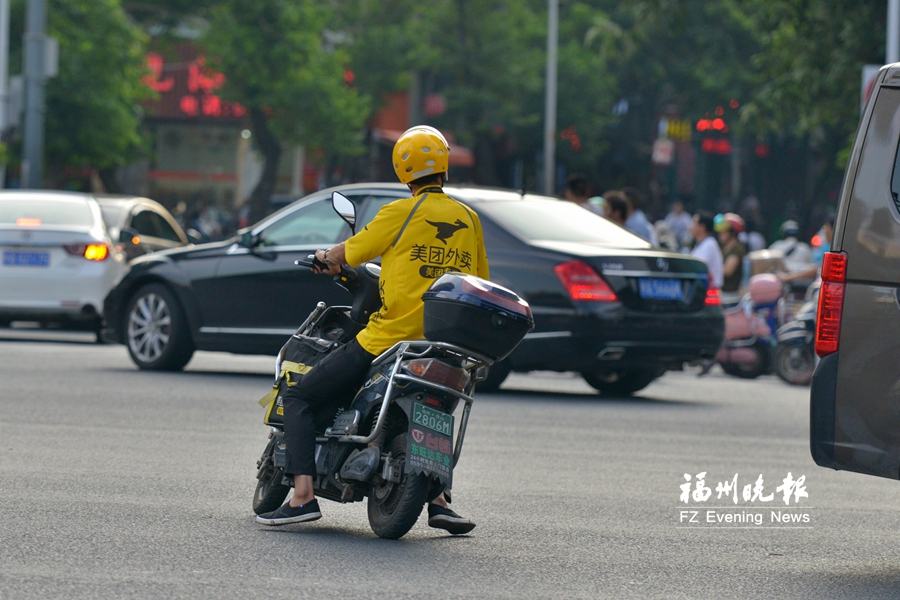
(249, 240)
(344, 207)
(194, 236)
(129, 236)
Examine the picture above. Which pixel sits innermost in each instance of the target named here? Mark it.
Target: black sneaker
(289, 514)
(441, 517)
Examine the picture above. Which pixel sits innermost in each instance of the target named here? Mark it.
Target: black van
(855, 396)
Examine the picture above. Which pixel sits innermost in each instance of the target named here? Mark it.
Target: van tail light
(713, 296)
(436, 371)
(89, 251)
(831, 303)
(583, 283)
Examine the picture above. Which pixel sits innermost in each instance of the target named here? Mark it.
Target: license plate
(660, 289)
(430, 446)
(26, 259)
(432, 419)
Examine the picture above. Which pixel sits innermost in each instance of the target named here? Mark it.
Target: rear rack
(420, 349)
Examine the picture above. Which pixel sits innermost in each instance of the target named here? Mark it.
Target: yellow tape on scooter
(287, 367)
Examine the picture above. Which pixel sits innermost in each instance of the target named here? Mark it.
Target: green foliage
(93, 118)
(93, 114)
(278, 59)
(487, 58)
(810, 57)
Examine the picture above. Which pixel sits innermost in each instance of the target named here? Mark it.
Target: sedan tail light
(89, 251)
(713, 297)
(583, 283)
(831, 303)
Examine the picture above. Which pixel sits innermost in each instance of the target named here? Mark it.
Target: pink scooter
(747, 349)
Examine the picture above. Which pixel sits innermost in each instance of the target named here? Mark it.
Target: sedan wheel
(621, 382)
(156, 330)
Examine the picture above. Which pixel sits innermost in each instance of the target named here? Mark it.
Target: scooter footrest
(361, 464)
(346, 423)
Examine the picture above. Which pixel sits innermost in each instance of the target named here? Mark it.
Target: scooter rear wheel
(794, 364)
(394, 507)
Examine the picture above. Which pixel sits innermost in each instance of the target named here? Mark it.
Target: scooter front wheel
(270, 491)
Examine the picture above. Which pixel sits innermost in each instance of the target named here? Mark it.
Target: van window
(871, 231)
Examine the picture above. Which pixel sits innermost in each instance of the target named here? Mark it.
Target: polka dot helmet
(419, 152)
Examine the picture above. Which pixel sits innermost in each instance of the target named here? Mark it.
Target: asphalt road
(116, 483)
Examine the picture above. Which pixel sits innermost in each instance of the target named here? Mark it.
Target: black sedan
(605, 303)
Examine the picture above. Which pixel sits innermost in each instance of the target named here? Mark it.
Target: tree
(93, 113)
(487, 59)
(283, 67)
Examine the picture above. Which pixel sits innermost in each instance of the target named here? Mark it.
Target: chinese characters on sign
(748, 502)
(201, 82)
(751, 492)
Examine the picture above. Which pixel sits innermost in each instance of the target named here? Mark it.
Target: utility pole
(4, 77)
(892, 53)
(34, 71)
(550, 101)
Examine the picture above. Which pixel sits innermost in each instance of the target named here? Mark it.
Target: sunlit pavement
(120, 483)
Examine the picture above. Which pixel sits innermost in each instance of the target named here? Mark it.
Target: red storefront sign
(186, 86)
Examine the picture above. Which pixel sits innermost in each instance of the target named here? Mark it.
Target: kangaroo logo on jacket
(446, 230)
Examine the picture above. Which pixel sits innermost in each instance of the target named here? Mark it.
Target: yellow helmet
(420, 151)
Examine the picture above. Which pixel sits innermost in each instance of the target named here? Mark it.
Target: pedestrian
(728, 227)
(680, 221)
(637, 222)
(797, 255)
(751, 236)
(706, 247)
(813, 270)
(577, 193)
(615, 207)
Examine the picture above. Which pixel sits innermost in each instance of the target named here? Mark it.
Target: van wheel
(156, 330)
(621, 382)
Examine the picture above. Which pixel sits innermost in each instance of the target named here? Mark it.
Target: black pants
(312, 403)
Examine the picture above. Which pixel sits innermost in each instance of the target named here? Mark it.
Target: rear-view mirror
(129, 236)
(344, 207)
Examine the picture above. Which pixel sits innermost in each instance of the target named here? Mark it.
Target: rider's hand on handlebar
(320, 265)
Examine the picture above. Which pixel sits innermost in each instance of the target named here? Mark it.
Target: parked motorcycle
(397, 443)
(795, 357)
(747, 349)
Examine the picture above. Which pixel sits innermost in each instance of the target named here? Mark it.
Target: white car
(57, 262)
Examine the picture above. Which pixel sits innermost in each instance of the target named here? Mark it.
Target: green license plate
(432, 419)
(429, 448)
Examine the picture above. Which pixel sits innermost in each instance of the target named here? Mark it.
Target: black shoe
(289, 514)
(440, 517)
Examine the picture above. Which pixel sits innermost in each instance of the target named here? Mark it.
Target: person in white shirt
(636, 221)
(797, 255)
(707, 248)
(680, 222)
